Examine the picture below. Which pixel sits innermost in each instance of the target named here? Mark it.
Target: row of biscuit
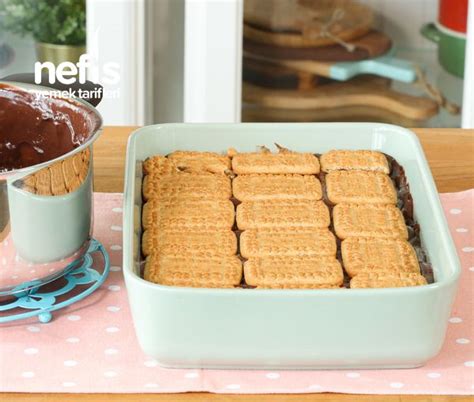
(187, 220)
(286, 239)
(375, 251)
(60, 178)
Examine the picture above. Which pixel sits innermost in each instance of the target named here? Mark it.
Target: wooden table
(450, 153)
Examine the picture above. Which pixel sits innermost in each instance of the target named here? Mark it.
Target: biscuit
(43, 182)
(387, 280)
(360, 187)
(369, 220)
(27, 183)
(71, 179)
(287, 242)
(193, 271)
(255, 187)
(80, 165)
(280, 163)
(186, 242)
(159, 165)
(293, 272)
(186, 185)
(282, 213)
(58, 186)
(378, 254)
(354, 160)
(188, 213)
(201, 161)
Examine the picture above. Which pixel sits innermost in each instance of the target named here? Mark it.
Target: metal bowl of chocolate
(45, 184)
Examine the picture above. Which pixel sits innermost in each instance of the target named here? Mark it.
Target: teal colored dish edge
(429, 185)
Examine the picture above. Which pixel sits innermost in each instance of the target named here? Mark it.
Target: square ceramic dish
(292, 329)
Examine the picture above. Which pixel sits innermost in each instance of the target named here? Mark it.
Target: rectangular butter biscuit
(282, 213)
(280, 163)
(360, 187)
(293, 272)
(369, 220)
(58, 186)
(201, 161)
(188, 213)
(187, 185)
(361, 254)
(255, 187)
(159, 165)
(43, 182)
(386, 280)
(193, 271)
(287, 242)
(354, 160)
(189, 242)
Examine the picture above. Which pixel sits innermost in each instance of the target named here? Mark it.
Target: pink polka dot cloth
(91, 346)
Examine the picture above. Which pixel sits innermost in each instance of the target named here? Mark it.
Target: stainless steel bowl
(46, 210)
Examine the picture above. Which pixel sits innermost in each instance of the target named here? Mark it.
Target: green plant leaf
(61, 22)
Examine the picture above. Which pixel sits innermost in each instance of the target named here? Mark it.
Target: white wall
(213, 60)
(402, 20)
(116, 36)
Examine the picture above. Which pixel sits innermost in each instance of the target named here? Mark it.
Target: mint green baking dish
(291, 329)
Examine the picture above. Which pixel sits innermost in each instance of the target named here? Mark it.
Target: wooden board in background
(269, 75)
(360, 91)
(373, 44)
(298, 22)
(253, 113)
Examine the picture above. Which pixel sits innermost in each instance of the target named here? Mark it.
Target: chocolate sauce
(35, 128)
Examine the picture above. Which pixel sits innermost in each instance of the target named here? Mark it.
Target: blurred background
(407, 62)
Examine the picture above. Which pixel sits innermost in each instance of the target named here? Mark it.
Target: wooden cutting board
(269, 75)
(299, 23)
(385, 66)
(254, 113)
(361, 91)
(373, 44)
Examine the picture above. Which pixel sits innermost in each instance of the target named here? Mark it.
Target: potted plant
(57, 26)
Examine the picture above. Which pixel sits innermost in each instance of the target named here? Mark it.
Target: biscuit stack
(286, 239)
(188, 218)
(299, 220)
(59, 178)
(375, 251)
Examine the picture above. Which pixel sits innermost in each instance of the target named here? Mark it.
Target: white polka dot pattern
(397, 384)
(272, 376)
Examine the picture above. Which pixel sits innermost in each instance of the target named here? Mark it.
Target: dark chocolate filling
(36, 128)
